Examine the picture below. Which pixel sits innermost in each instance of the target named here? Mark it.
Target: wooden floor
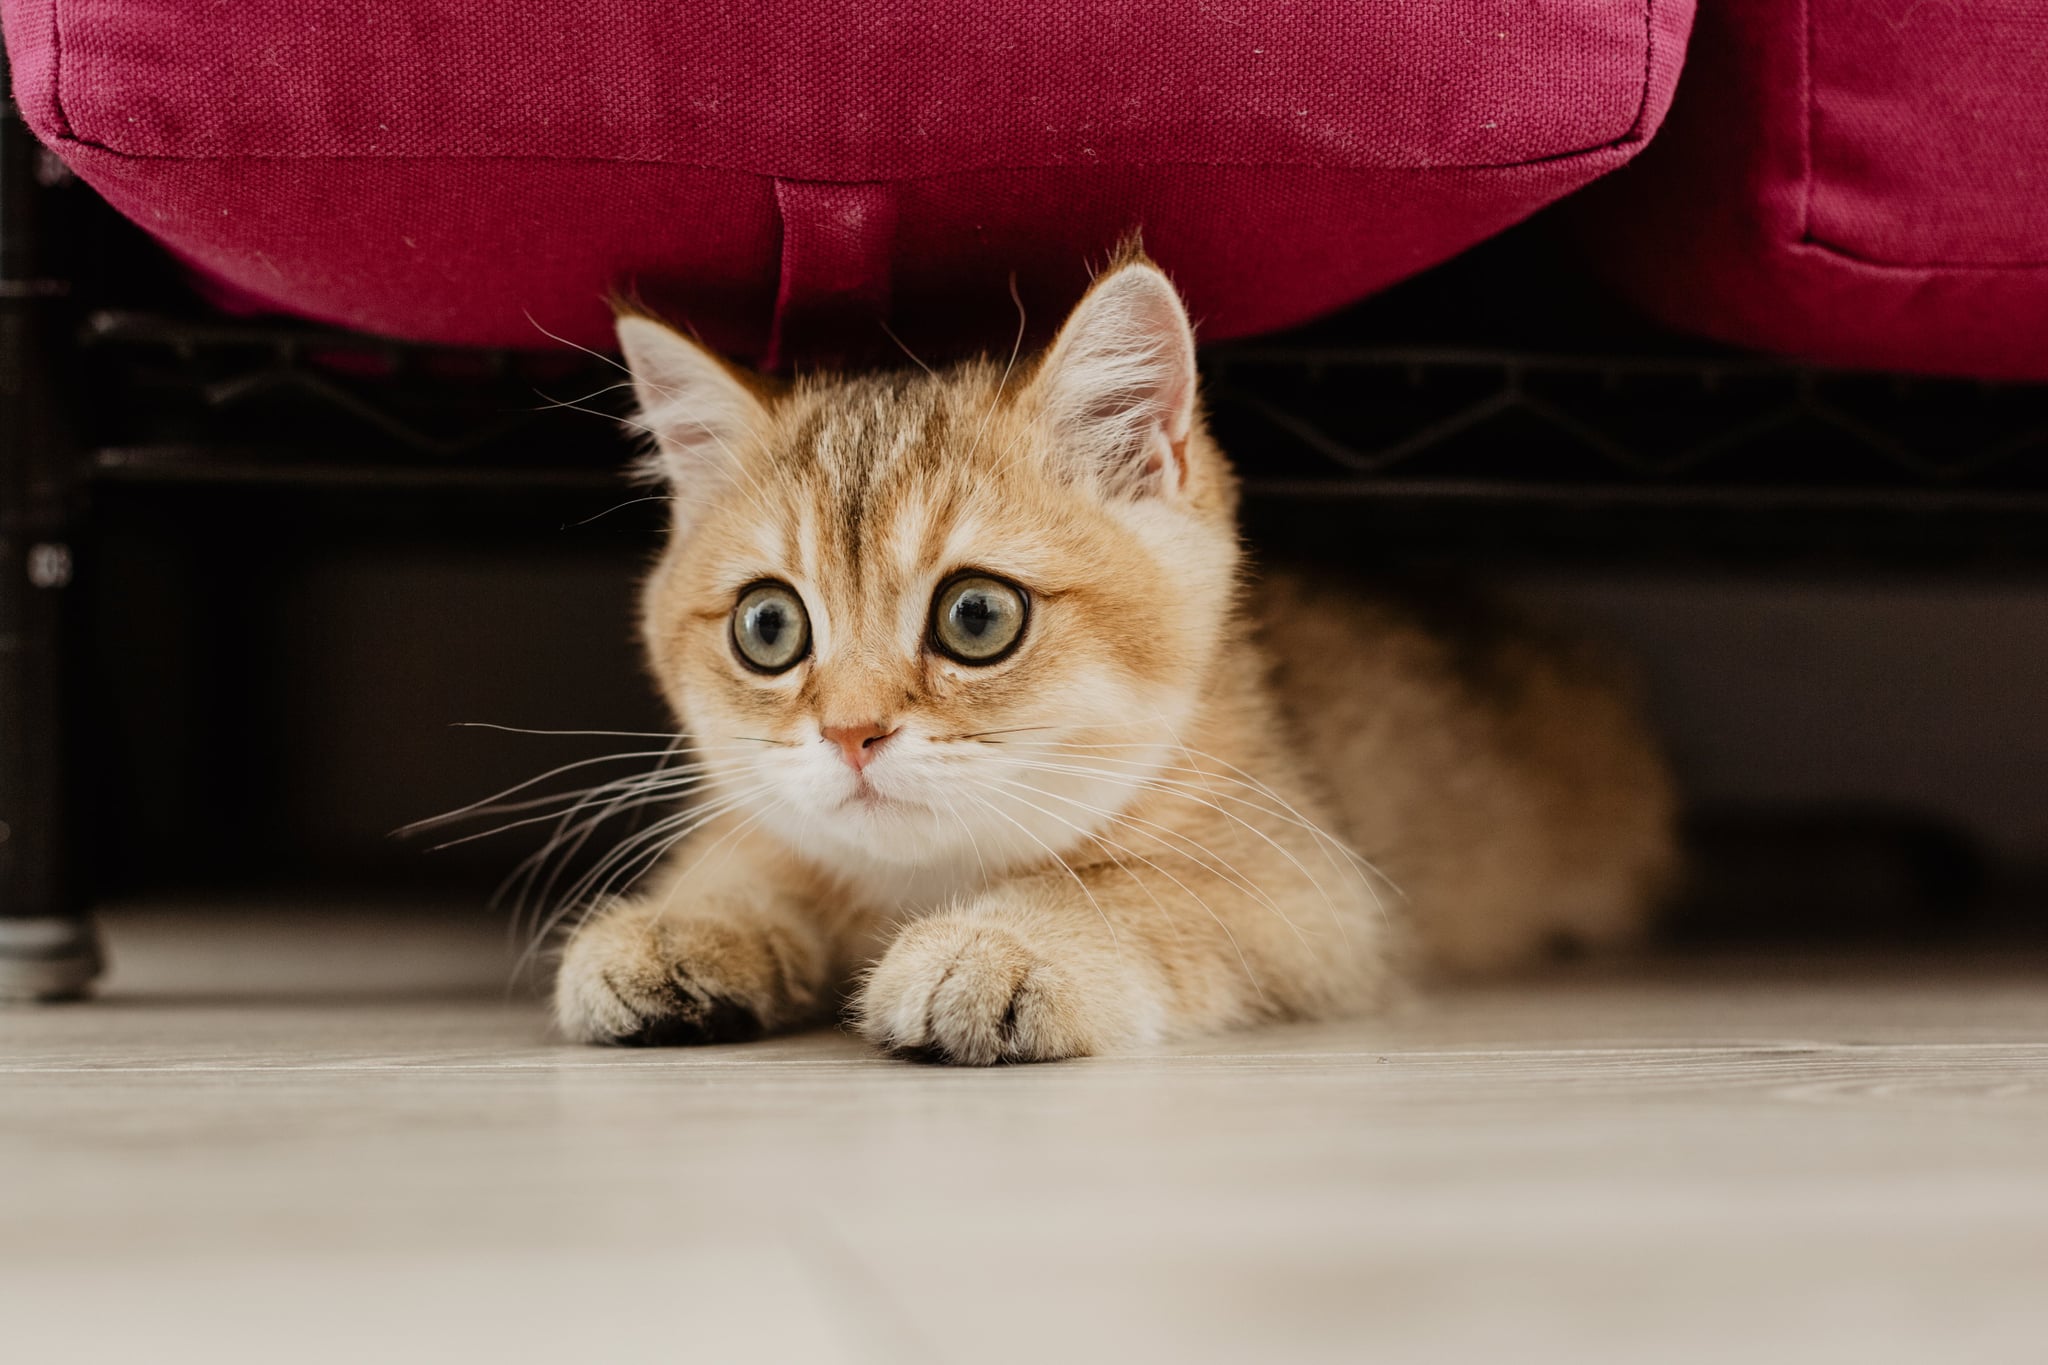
(298, 1138)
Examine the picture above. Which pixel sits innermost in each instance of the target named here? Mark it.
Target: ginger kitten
(997, 745)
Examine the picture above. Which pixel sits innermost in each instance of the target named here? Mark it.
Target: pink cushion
(780, 173)
(1861, 183)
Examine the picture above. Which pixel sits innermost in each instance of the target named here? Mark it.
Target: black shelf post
(48, 948)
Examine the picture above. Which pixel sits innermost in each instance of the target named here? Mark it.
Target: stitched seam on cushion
(1596, 150)
(1628, 136)
(1625, 138)
(64, 129)
(1820, 247)
(1635, 127)
(1806, 122)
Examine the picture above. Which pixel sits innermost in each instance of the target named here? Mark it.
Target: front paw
(973, 991)
(647, 979)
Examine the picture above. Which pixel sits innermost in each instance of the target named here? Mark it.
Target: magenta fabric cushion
(1860, 183)
(783, 174)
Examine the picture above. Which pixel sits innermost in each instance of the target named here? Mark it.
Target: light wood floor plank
(288, 1136)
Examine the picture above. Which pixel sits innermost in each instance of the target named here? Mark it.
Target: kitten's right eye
(977, 619)
(769, 628)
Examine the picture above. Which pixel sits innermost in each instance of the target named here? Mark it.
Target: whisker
(1230, 874)
(478, 805)
(1250, 783)
(624, 785)
(1025, 830)
(1197, 794)
(755, 491)
(901, 346)
(983, 734)
(629, 859)
(662, 793)
(563, 845)
(1370, 876)
(602, 415)
(1108, 844)
(597, 355)
(1003, 383)
(619, 852)
(698, 813)
(1371, 890)
(723, 841)
(1191, 893)
(630, 502)
(973, 843)
(521, 730)
(627, 862)
(548, 400)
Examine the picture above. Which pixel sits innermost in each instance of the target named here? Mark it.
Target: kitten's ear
(698, 409)
(1118, 386)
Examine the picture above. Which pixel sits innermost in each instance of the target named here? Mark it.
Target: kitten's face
(941, 621)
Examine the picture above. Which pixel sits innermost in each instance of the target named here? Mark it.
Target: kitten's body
(1496, 769)
(1152, 817)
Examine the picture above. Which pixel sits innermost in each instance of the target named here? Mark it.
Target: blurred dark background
(285, 669)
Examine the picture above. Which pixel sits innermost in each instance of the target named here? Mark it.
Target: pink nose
(857, 743)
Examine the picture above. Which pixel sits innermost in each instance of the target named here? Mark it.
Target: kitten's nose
(857, 743)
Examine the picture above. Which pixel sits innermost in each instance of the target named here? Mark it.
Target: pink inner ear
(1167, 461)
(1121, 381)
(1174, 391)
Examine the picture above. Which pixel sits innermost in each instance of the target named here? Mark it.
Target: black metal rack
(1695, 443)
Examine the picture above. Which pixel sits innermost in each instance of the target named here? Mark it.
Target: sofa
(1860, 184)
(784, 175)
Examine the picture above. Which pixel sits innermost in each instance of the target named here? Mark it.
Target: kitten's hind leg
(721, 963)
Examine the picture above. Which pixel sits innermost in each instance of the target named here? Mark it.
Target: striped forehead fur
(869, 447)
(857, 430)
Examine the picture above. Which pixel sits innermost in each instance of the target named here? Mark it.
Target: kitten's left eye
(769, 627)
(977, 619)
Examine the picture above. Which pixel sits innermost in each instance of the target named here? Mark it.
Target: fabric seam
(1823, 246)
(1806, 121)
(1635, 128)
(246, 158)
(65, 129)
(1819, 247)
(1632, 134)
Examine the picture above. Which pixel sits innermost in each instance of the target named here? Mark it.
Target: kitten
(997, 744)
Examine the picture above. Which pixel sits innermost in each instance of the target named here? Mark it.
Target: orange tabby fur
(1154, 817)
